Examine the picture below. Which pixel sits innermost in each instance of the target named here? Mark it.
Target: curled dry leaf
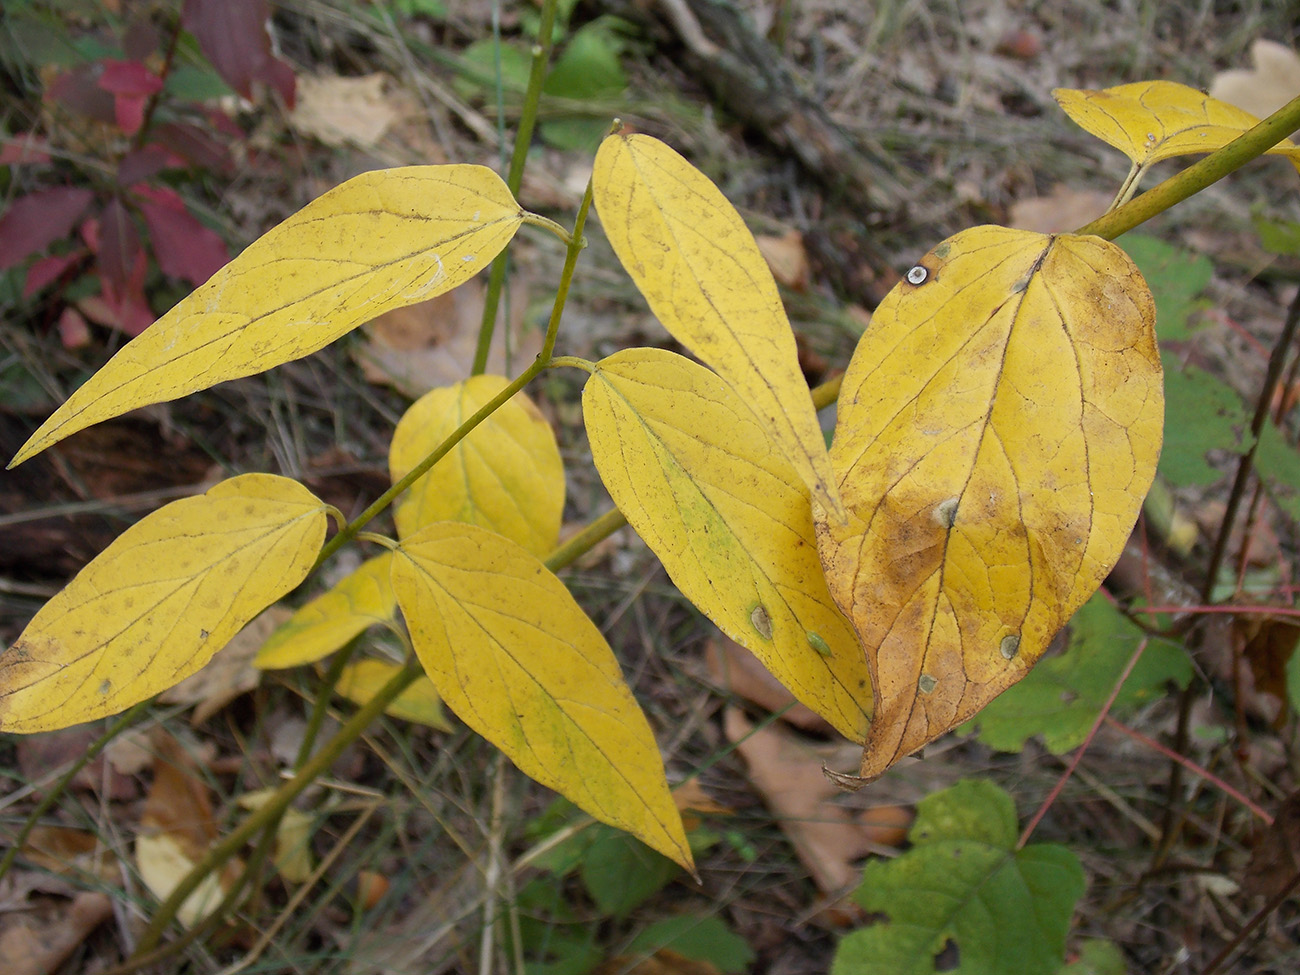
(998, 428)
(1264, 88)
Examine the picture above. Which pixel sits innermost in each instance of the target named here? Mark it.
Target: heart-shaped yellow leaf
(156, 604)
(999, 426)
(505, 476)
(1153, 120)
(702, 274)
(380, 241)
(692, 470)
(516, 658)
(357, 602)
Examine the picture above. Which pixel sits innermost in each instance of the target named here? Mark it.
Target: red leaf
(232, 33)
(73, 330)
(184, 247)
(119, 246)
(125, 309)
(47, 270)
(36, 220)
(128, 112)
(128, 78)
(77, 91)
(195, 146)
(143, 163)
(27, 147)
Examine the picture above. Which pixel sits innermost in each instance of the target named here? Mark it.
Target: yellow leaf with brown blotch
(516, 658)
(380, 241)
(1153, 120)
(156, 604)
(694, 473)
(702, 274)
(999, 426)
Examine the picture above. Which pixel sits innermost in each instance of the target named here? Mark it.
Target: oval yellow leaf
(1153, 120)
(156, 604)
(419, 703)
(701, 272)
(516, 658)
(506, 476)
(690, 467)
(318, 628)
(380, 241)
(999, 426)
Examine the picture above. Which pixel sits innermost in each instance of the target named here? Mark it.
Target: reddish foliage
(232, 33)
(184, 247)
(36, 220)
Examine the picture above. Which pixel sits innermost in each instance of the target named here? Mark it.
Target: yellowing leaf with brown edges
(516, 658)
(156, 604)
(420, 703)
(694, 473)
(506, 475)
(1153, 120)
(999, 426)
(318, 628)
(380, 241)
(705, 279)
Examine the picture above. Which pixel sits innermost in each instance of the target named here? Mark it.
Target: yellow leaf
(359, 601)
(380, 241)
(419, 703)
(705, 279)
(692, 470)
(999, 426)
(516, 658)
(506, 476)
(160, 601)
(1153, 120)
(293, 834)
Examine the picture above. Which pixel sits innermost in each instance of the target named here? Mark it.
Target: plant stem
(515, 176)
(321, 705)
(1218, 164)
(576, 243)
(274, 808)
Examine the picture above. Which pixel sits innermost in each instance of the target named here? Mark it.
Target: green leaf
(1176, 278)
(705, 939)
(1097, 957)
(1279, 463)
(589, 66)
(621, 873)
(1279, 236)
(963, 891)
(1202, 413)
(1062, 696)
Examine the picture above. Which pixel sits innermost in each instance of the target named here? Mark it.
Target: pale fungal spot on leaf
(1010, 646)
(817, 643)
(945, 512)
(761, 621)
(926, 683)
(917, 275)
(105, 686)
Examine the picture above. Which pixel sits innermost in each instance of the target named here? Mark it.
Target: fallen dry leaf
(29, 947)
(1263, 89)
(1275, 859)
(416, 348)
(786, 256)
(828, 837)
(339, 110)
(1062, 210)
(42, 758)
(70, 852)
(735, 669)
(229, 673)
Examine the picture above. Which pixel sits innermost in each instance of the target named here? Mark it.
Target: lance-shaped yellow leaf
(516, 658)
(692, 470)
(380, 241)
(506, 475)
(156, 604)
(1153, 120)
(359, 601)
(705, 279)
(420, 703)
(999, 426)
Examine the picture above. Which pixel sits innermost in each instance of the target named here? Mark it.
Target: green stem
(584, 541)
(576, 243)
(275, 807)
(321, 705)
(1218, 164)
(123, 721)
(515, 176)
